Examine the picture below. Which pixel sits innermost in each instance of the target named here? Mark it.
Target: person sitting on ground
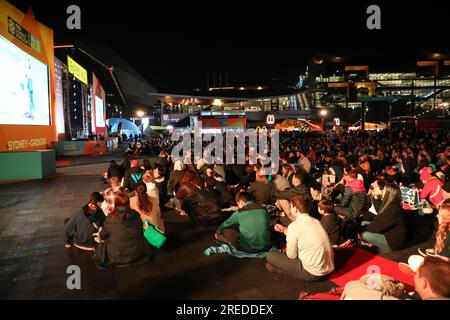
(201, 205)
(114, 170)
(432, 186)
(260, 188)
(121, 240)
(161, 183)
(354, 198)
(445, 194)
(124, 167)
(152, 189)
(174, 176)
(146, 165)
(330, 221)
(387, 231)
(216, 185)
(442, 246)
(220, 170)
(278, 183)
(309, 255)
(84, 223)
(146, 206)
(282, 196)
(132, 176)
(252, 221)
(304, 162)
(111, 193)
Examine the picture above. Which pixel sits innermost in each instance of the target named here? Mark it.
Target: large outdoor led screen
(99, 112)
(24, 87)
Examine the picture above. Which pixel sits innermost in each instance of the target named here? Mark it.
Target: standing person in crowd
(121, 240)
(146, 206)
(84, 223)
(111, 193)
(330, 221)
(387, 231)
(309, 255)
(252, 222)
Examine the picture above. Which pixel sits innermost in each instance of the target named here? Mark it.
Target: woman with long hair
(442, 246)
(121, 240)
(387, 231)
(198, 203)
(146, 206)
(80, 227)
(114, 170)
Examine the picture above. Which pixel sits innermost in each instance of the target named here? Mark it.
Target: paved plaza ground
(33, 260)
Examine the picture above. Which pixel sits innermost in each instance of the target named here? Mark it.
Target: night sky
(174, 45)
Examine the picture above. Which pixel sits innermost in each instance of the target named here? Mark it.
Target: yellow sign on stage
(78, 71)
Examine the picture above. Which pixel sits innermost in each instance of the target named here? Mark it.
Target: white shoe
(428, 252)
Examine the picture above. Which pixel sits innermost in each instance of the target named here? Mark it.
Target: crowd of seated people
(331, 189)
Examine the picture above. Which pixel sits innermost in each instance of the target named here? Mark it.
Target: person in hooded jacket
(84, 223)
(354, 200)
(121, 240)
(133, 176)
(432, 186)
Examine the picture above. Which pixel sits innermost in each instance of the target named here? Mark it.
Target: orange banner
(36, 40)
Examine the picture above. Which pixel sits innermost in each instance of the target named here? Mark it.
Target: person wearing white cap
(431, 276)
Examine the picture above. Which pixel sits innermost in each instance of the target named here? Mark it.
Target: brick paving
(33, 260)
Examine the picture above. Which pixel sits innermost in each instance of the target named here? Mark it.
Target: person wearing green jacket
(248, 229)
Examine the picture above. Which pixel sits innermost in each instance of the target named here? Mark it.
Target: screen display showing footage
(24, 87)
(99, 112)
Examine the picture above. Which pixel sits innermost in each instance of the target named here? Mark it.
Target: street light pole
(323, 113)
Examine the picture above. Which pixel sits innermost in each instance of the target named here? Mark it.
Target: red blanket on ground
(352, 263)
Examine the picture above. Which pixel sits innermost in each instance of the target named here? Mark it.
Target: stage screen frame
(47, 97)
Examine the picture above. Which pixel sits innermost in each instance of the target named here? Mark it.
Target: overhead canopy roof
(191, 99)
(221, 96)
(132, 88)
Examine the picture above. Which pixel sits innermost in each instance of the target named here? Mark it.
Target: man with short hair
(253, 225)
(431, 276)
(432, 279)
(309, 255)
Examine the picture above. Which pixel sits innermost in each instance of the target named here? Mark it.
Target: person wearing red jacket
(432, 186)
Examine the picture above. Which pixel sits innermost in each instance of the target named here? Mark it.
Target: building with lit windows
(352, 88)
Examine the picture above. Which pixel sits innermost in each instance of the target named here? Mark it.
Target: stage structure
(27, 96)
